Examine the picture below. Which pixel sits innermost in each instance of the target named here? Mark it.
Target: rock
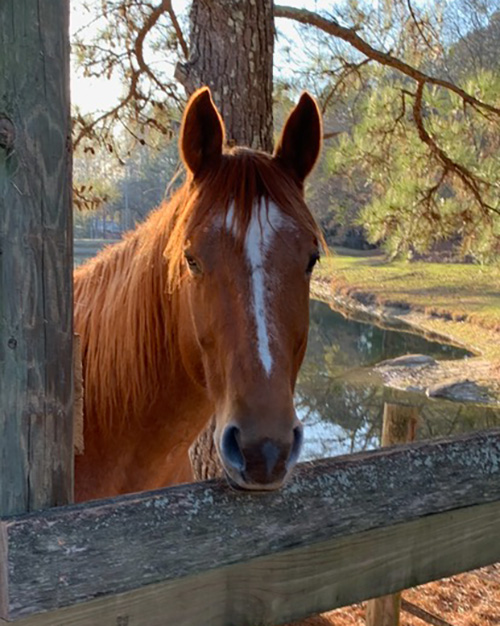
(408, 360)
(459, 390)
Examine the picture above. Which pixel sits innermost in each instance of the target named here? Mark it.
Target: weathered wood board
(448, 492)
(297, 583)
(36, 301)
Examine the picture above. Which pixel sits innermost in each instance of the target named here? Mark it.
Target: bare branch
(88, 128)
(402, 114)
(177, 28)
(428, 200)
(164, 7)
(150, 22)
(347, 70)
(418, 25)
(331, 135)
(350, 35)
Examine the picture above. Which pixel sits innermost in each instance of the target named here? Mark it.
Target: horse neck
(124, 316)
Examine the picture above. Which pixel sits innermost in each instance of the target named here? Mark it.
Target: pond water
(340, 398)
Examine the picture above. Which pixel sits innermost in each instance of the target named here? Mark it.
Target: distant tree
(145, 182)
(94, 178)
(473, 29)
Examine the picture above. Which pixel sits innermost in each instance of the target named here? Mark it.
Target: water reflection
(340, 399)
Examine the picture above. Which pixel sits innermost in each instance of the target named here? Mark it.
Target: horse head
(241, 256)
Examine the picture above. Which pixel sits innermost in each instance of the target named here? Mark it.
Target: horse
(202, 311)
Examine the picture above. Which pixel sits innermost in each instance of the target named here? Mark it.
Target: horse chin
(254, 488)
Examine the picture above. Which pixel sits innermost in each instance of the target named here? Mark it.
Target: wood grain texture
(399, 426)
(71, 554)
(297, 583)
(78, 413)
(35, 258)
(384, 611)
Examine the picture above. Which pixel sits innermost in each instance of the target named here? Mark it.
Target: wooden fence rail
(344, 530)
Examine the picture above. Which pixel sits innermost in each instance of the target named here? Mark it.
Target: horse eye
(312, 262)
(192, 263)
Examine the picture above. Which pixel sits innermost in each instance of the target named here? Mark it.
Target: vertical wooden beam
(36, 299)
(384, 611)
(400, 425)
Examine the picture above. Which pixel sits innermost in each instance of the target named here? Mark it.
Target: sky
(95, 94)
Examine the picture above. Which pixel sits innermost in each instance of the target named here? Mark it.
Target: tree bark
(231, 51)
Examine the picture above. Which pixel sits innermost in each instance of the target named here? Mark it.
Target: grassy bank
(458, 300)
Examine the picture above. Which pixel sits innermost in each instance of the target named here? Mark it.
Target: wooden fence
(343, 530)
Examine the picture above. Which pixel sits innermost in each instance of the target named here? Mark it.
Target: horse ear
(202, 133)
(300, 141)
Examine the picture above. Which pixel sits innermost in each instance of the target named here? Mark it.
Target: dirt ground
(471, 599)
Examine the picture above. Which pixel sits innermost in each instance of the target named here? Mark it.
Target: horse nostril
(298, 437)
(230, 448)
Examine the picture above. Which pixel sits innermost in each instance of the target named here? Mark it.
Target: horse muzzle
(260, 465)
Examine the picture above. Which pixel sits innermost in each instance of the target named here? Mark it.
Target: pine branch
(329, 25)
(332, 27)
(469, 180)
(133, 94)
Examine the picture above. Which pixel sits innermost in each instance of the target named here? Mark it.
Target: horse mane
(125, 297)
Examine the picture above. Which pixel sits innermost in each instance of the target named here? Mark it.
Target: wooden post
(36, 319)
(400, 425)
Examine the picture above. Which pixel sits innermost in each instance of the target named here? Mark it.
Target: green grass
(461, 300)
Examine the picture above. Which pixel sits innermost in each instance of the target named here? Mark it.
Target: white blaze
(266, 220)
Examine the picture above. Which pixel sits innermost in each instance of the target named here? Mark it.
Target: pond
(340, 398)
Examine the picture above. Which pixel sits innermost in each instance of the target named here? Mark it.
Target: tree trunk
(231, 51)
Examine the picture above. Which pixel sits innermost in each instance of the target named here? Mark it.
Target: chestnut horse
(200, 311)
